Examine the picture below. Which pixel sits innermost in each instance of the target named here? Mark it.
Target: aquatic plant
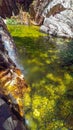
(49, 104)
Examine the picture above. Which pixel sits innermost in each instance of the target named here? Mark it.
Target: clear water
(48, 70)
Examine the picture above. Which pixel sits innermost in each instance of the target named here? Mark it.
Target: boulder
(12, 83)
(9, 120)
(58, 18)
(36, 10)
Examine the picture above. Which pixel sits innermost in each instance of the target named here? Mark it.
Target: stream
(48, 69)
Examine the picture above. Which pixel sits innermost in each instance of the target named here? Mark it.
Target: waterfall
(10, 47)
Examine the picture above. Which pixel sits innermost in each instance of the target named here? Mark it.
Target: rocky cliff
(7, 7)
(10, 7)
(12, 83)
(25, 4)
(36, 9)
(55, 16)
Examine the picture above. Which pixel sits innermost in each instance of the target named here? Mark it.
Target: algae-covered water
(48, 69)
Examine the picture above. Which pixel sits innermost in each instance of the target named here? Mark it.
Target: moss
(49, 104)
(25, 31)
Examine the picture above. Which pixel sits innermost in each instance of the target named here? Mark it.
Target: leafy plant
(11, 21)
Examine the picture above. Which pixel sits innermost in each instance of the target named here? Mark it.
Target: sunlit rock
(36, 10)
(58, 18)
(12, 82)
(55, 16)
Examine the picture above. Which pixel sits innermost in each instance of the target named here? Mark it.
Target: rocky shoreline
(12, 83)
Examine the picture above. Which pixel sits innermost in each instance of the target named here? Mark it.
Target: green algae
(49, 105)
(25, 31)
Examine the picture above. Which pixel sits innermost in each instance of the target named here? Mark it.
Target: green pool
(48, 69)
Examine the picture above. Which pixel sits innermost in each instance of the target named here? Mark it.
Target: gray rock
(36, 10)
(11, 117)
(58, 18)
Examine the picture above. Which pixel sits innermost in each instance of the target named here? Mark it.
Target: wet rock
(12, 82)
(8, 120)
(6, 40)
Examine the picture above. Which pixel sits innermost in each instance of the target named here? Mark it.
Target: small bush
(11, 21)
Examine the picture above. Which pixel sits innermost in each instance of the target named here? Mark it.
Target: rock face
(25, 4)
(8, 121)
(7, 7)
(36, 10)
(10, 7)
(12, 83)
(58, 17)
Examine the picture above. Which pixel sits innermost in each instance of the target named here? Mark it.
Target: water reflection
(48, 63)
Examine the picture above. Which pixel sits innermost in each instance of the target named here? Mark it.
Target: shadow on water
(49, 71)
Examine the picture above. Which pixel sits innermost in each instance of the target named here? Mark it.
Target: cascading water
(10, 47)
(12, 83)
